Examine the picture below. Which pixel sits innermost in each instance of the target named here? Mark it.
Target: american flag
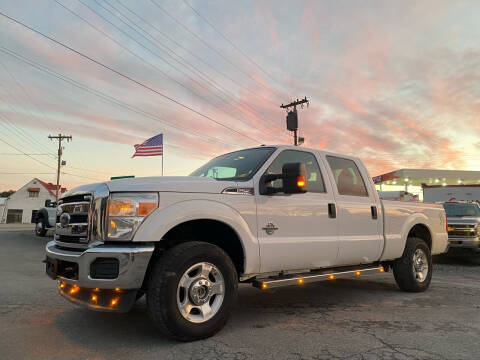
(150, 147)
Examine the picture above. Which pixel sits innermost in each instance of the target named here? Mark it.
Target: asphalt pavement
(367, 318)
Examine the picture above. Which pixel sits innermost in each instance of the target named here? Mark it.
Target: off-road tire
(43, 231)
(403, 267)
(162, 290)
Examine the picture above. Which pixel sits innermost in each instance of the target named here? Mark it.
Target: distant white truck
(46, 218)
(397, 195)
(463, 226)
(270, 216)
(451, 193)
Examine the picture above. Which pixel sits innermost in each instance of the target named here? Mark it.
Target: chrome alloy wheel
(200, 292)
(420, 265)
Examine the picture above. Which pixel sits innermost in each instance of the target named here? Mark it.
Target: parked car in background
(463, 225)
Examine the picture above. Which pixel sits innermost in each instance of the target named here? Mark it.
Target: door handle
(332, 211)
(374, 212)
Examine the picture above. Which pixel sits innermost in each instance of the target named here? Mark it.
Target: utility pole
(59, 137)
(292, 117)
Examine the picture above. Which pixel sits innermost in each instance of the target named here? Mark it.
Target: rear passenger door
(360, 220)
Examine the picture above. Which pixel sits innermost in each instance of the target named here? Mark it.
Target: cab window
(347, 177)
(313, 175)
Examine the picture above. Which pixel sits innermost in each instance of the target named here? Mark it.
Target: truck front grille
(462, 230)
(72, 220)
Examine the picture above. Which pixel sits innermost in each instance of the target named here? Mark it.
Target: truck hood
(190, 184)
(184, 184)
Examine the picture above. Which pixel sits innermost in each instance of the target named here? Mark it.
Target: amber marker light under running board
(315, 276)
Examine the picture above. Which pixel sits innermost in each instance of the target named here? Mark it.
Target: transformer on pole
(292, 117)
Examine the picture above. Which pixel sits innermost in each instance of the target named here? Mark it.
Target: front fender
(158, 223)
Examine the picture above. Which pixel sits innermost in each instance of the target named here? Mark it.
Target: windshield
(238, 165)
(459, 210)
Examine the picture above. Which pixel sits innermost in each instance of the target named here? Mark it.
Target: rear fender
(395, 243)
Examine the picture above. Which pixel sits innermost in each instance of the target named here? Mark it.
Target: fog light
(357, 273)
(114, 302)
(331, 277)
(94, 298)
(300, 281)
(264, 286)
(62, 285)
(74, 289)
(381, 269)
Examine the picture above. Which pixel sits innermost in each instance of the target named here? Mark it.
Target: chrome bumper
(102, 294)
(471, 243)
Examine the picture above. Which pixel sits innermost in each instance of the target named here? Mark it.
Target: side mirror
(294, 178)
(48, 203)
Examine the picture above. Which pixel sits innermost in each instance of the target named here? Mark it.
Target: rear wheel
(192, 290)
(40, 229)
(413, 271)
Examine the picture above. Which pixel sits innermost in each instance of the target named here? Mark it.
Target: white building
(416, 180)
(22, 205)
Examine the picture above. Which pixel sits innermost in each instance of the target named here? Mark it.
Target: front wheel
(40, 229)
(413, 271)
(192, 290)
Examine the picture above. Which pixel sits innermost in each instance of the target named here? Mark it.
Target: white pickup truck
(269, 216)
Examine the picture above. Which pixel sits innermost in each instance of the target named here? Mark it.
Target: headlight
(126, 211)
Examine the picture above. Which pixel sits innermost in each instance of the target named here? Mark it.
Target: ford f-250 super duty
(270, 216)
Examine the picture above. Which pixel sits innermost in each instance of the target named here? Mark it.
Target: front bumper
(468, 243)
(78, 283)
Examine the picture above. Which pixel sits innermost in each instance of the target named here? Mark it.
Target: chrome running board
(316, 276)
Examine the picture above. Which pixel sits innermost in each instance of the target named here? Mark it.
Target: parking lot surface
(368, 318)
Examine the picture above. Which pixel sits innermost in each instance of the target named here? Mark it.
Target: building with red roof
(22, 205)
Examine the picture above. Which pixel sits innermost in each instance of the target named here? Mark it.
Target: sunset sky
(395, 83)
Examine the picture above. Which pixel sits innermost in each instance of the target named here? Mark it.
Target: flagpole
(162, 162)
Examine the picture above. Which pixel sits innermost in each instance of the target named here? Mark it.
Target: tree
(6, 194)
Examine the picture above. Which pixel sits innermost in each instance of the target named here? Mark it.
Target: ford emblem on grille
(64, 220)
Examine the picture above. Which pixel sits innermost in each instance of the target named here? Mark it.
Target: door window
(347, 177)
(314, 176)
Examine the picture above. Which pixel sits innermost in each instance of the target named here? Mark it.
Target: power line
(211, 47)
(229, 41)
(27, 95)
(154, 43)
(198, 72)
(25, 173)
(106, 97)
(129, 78)
(193, 54)
(14, 154)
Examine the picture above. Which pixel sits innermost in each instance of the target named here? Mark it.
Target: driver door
(296, 231)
